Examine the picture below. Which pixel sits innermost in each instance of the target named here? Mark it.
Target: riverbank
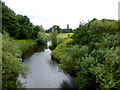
(25, 45)
(12, 65)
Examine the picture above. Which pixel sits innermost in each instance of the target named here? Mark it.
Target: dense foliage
(62, 36)
(56, 38)
(53, 38)
(12, 65)
(42, 37)
(92, 56)
(11, 62)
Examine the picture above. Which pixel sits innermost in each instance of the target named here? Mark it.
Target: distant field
(64, 35)
(61, 35)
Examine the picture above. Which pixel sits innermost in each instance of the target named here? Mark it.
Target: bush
(12, 65)
(42, 37)
(60, 49)
(54, 39)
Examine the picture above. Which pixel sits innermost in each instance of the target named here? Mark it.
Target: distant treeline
(57, 28)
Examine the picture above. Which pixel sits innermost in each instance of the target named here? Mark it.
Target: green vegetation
(53, 36)
(58, 38)
(64, 35)
(24, 45)
(42, 37)
(12, 65)
(59, 30)
(92, 54)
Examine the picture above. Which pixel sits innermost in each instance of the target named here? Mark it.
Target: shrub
(54, 39)
(42, 37)
(12, 65)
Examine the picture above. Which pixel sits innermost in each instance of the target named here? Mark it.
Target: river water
(45, 73)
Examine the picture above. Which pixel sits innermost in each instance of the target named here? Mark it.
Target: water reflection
(71, 84)
(35, 48)
(44, 73)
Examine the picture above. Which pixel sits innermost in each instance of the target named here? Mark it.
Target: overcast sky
(63, 12)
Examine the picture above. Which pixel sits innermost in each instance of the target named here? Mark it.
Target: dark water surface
(44, 73)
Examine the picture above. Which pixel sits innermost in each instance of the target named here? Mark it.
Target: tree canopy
(18, 26)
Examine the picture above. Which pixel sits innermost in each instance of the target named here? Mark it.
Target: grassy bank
(25, 44)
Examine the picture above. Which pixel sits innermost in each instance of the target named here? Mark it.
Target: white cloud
(63, 12)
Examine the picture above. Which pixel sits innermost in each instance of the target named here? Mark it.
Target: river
(45, 73)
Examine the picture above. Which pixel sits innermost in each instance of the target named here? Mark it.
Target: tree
(18, 26)
(42, 38)
(54, 28)
(10, 23)
(54, 39)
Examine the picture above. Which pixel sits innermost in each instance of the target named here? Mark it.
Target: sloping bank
(25, 46)
(12, 66)
(61, 53)
(97, 69)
